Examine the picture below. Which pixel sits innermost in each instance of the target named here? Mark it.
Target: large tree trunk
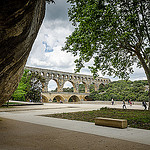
(146, 68)
(19, 24)
(149, 98)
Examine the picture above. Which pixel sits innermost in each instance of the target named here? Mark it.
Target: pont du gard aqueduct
(60, 78)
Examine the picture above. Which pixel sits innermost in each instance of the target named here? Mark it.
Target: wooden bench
(117, 123)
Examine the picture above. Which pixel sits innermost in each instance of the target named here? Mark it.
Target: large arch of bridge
(72, 83)
(101, 86)
(44, 99)
(85, 86)
(73, 98)
(92, 87)
(58, 98)
(51, 81)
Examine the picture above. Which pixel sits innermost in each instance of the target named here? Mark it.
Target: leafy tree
(81, 88)
(23, 87)
(30, 87)
(55, 90)
(122, 90)
(68, 89)
(114, 33)
(36, 81)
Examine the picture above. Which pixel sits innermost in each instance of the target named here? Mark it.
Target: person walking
(124, 105)
(112, 101)
(130, 102)
(144, 104)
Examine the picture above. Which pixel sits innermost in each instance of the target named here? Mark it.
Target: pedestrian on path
(124, 105)
(144, 104)
(130, 102)
(112, 101)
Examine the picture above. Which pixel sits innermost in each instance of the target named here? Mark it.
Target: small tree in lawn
(116, 34)
(30, 87)
(34, 93)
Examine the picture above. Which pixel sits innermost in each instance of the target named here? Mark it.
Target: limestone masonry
(61, 77)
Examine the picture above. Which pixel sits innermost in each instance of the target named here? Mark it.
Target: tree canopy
(29, 88)
(122, 90)
(23, 87)
(115, 34)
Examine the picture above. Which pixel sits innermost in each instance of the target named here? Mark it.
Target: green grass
(136, 118)
(13, 103)
(10, 105)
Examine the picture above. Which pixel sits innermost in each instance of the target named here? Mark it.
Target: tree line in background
(29, 88)
(122, 90)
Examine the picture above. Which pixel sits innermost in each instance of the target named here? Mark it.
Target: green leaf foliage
(115, 34)
(122, 90)
(23, 87)
(36, 83)
(29, 88)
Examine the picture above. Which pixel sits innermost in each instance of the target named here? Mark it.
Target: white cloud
(53, 34)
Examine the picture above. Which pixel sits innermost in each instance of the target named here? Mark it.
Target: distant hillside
(122, 90)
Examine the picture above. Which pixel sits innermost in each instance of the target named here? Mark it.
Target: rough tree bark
(19, 24)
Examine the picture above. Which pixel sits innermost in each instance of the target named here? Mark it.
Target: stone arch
(66, 76)
(58, 98)
(53, 75)
(70, 77)
(63, 76)
(47, 74)
(102, 84)
(58, 86)
(44, 99)
(92, 87)
(74, 77)
(87, 98)
(95, 85)
(36, 72)
(58, 75)
(73, 84)
(73, 98)
(86, 79)
(101, 87)
(85, 86)
(42, 73)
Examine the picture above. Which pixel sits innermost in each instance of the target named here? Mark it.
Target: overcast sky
(46, 51)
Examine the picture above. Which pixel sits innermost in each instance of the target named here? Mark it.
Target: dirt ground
(17, 135)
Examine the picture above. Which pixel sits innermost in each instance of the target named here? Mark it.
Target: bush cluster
(122, 90)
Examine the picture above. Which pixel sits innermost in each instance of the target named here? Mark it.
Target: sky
(46, 51)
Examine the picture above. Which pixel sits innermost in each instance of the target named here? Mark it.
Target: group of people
(129, 102)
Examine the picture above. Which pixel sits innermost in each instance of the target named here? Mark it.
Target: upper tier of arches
(61, 77)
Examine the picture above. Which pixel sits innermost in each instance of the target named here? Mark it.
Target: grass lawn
(136, 118)
(13, 103)
(10, 104)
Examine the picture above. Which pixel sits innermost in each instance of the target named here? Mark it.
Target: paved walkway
(32, 114)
